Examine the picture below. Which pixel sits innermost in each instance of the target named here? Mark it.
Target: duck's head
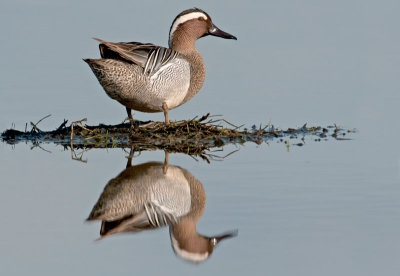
(190, 25)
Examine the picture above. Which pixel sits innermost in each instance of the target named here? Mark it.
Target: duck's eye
(201, 18)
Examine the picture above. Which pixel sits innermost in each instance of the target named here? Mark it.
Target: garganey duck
(150, 78)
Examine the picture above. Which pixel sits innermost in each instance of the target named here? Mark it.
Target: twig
(45, 117)
(229, 123)
(148, 124)
(74, 156)
(72, 135)
(34, 126)
(62, 125)
(239, 127)
(44, 149)
(203, 117)
(76, 123)
(194, 118)
(36, 144)
(194, 158)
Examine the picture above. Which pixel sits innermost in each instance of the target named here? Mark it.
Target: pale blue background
(327, 208)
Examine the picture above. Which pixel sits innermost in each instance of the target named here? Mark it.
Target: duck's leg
(165, 108)
(129, 111)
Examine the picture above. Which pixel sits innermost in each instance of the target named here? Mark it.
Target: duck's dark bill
(221, 237)
(217, 32)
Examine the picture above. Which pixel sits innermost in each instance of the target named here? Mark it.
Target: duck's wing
(146, 55)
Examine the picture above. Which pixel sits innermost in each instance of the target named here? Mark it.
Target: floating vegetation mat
(190, 136)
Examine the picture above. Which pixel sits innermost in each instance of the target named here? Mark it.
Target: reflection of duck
(152, 195)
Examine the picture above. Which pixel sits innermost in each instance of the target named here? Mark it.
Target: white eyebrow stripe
(185, 18)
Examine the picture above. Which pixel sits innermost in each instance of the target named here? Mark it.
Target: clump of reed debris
(187, 136)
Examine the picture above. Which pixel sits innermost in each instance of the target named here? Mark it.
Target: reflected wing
(148, 56)
(152, 217)
(158, 217)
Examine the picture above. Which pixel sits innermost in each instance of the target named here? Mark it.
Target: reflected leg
(129, 163)
(166, 161)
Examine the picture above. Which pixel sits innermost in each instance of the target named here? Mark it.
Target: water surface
(327, 208)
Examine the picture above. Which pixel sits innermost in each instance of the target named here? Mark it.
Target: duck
(153, 195)
(150, 78)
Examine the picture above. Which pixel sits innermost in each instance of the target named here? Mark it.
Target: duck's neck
(181, 42)
(184, 229)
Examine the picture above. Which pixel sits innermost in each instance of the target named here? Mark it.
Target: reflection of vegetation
(192, 137)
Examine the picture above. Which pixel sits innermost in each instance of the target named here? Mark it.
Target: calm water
(328, 208)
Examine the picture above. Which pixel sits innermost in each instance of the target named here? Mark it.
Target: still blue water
(327, 208)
